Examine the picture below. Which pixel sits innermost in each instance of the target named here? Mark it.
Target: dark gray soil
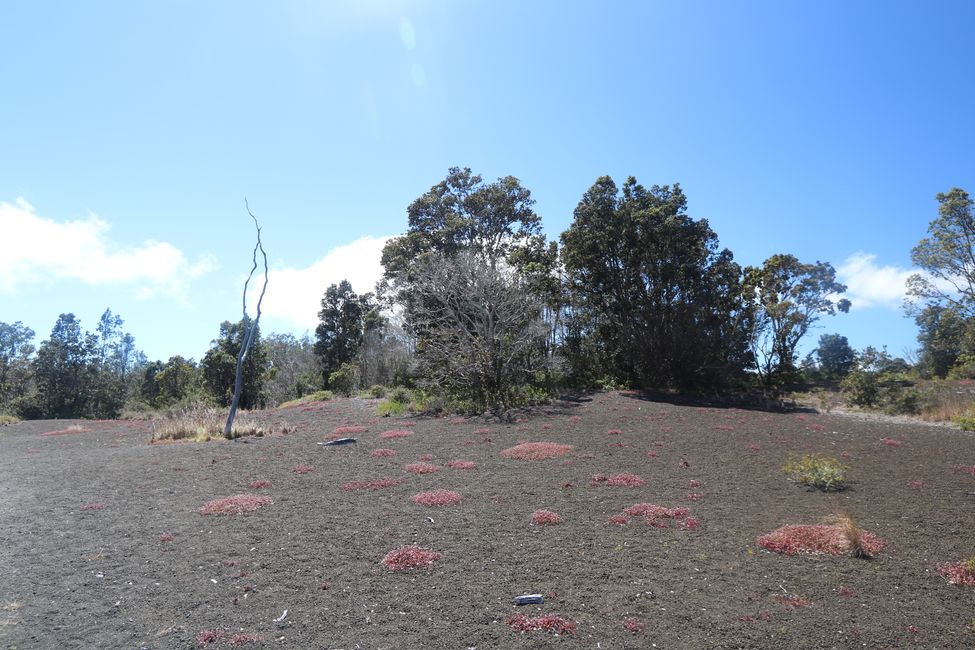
(77, 577)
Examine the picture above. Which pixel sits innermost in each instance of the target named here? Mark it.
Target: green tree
(295, 368)
(62, 369)
(341, 327)
(16, 378)
(166, 384)
(835, 356)
(654, 302)
(219, 367)
(789, 297)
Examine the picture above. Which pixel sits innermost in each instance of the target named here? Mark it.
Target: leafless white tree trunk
(250, 327)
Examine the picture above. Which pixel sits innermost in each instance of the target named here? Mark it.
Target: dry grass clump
(234, 505)
(437, 498)
(198, 423)
(6, 418)
(537, 451)
(409, 557)
(838, 535)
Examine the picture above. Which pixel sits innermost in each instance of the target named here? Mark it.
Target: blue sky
(130, 133)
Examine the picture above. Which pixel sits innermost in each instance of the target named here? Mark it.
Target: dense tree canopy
(835, 356)
(343, 320)
(219, 367)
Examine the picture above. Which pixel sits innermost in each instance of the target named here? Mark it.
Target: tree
(61, 369)
(16, 351)
(789, 297)
(342, 322)
(654, 303)
(219, 366)
(166, 384)
(947, 257)
(295, 369)
(835, 356)
(480, 333)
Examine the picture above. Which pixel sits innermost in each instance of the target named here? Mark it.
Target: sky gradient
(132, 132)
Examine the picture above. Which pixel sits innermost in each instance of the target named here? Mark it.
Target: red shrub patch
(235, 505)
(633, 625)
(93, 506)
(382, 453)
(614, 432)
(847, 592)
(816, 538)
(617, 480)
(537, 451)
(409, 557)
(166, 537)
(890, 442)
(546, 518)
(422, 468)
(395, 433)
(206, 637)
(437, 498)
(257, 485)
(302, 469)
(378, 484)
(792, 602)
(619, 520)
(244, 639)
(916, 485)
(461, 464)
(695, 483)
(959, 573)
(966, 470)
(693, 496)
(345, 430)
(425, 457)
(550, 623)
(690, 523)
(575, 418)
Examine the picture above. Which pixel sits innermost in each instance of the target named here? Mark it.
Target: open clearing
(102, 543)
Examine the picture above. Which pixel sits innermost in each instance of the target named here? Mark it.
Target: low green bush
(345, 380)
(377, 391)
(6, 418)
(317, 396)
(389, 407)
(817, 471)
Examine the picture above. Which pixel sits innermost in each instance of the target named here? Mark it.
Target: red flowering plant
(959, 573)
(546, 518)
(234, 505)
(537, 451)
(409, 557)
(437, 498)
(549, 623)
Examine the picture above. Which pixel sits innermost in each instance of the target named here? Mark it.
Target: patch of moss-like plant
(818, 472)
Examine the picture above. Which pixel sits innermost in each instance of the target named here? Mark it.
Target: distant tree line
(478, 308)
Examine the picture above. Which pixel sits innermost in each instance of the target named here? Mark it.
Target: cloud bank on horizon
(42, 251)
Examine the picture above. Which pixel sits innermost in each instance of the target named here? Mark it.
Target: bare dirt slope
(102, 544)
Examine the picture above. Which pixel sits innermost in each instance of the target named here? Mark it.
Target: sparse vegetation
(6, 418)
(199, 423)
(317, 396)
(817, 471)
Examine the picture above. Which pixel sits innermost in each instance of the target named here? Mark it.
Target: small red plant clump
(755, 447)
(847, 592)
(206, 637)
(792, 602)
(618, 480)
(382, 453)
(409, 557)
(257, 485)
(93, 506)
(695, 483)
(959, 573)
(652, 454)
(425, 457)
(916, 485)
(657, 516)
(575, 418)
(694, 496)
(422, 468)
(546, 518)
(619, 520)
(345, 430)
(550, 623)
(817, 538)
(395, 433)
(966, 470)
(688, 523)
(302, 469)
(235, 505)
(437, 498)
(244, 639)
(633, 625)
(537, 451)
(614, 432)
(461, 464)
(890, 442)
(166, 537)
(378, 484)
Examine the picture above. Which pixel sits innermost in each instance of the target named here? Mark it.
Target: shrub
(206, 637)
(959, 573)
(388, 408)
(816, 471)
(422, 468)
(409, 557)
(437, 498)
(966, 421)
(377, 391)
(549, 623)
(317, 396)
(257, 485)
(382, 453)
(819, 538)
(378, 484)
(546, 518)
(861, 388)
(235, 505)
(400, 395)
(537, 451)
(6, 418)
(657, 516)
(345, 380)
(461, 464)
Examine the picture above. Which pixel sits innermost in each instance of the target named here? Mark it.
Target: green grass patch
(817, 471)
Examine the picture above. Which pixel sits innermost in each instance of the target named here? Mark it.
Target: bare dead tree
(250, 327)
(479, 332)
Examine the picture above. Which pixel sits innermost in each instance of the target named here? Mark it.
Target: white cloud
(38, 250)
(296, 294)
(870, 285)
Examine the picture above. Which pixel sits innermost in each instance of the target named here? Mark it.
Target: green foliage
(965, 420)
(345, 380)
(6, 418)
(861, 388)
(903, 401)
(219, 367)
(317, 396)
(16, 376)
(295, 369)
(401, 395)
(652, 300)
(174, 382)
(817, 471)
(789, 297)
(343, 321)
(389, 407)
(836, 357)
(376, 391)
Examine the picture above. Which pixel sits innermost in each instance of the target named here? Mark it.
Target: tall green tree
(342, 324)
(62, 369)
(655, 302)
(835, 356)
(16, 352)
(789, 297)
(295, 369)
(219, 366)
(165, 384)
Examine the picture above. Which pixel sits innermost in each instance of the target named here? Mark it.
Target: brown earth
(76, 575)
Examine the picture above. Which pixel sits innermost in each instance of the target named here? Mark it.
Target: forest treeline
(480, 311)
